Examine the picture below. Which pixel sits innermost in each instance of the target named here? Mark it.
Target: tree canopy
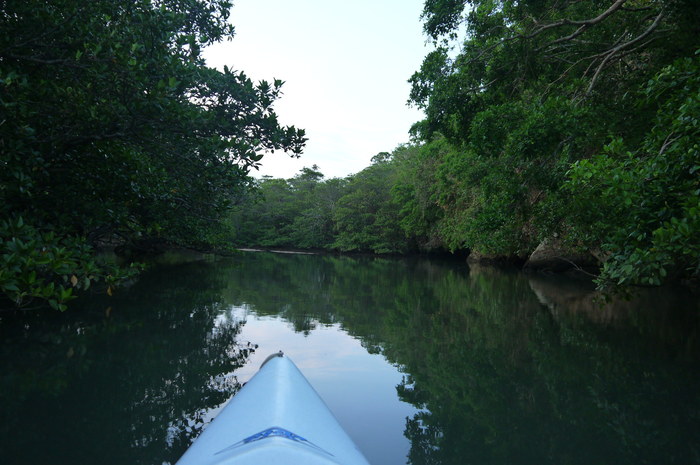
(565, 121)
(566, 118)
(113, 126)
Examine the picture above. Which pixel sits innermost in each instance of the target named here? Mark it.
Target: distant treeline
(575, 123)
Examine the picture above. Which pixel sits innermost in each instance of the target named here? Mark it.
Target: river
(423, 361)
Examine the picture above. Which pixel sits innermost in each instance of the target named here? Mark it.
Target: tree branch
(668, 141)
(612, 52)
(42, 61)
(583, 23)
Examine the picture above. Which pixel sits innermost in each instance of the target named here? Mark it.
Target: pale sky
(345, 65)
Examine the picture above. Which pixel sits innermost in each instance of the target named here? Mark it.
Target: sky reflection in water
(358, 387)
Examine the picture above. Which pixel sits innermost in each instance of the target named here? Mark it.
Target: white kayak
(276, 418)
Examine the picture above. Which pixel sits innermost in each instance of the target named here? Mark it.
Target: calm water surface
(422, 361)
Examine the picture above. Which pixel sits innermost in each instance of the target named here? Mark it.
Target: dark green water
(422, 361)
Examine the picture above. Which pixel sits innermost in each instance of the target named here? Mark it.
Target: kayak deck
(276, 418)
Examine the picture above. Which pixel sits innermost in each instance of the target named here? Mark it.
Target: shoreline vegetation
(556, 135)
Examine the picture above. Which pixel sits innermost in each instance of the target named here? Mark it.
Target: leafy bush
(48, 267)
(642, 207)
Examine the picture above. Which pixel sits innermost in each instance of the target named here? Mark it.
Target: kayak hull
(276, 418)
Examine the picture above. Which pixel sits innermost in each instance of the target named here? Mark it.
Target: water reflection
(358, 387)
(505, 380)
(505, 367)
(496, 367)
(124, 380)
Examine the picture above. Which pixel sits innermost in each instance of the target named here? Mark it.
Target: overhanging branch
(608, 55)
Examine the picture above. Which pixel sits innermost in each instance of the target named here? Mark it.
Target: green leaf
(10, 287)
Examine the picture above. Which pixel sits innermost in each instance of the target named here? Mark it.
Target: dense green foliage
(569, 120)
(112, 128)
(287, 213)
(532, 107)
(355, 214)
(648, 198)
(366, 217)
(47, 266)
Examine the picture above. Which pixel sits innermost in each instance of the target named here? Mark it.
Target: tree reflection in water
(504, 379)
(504, 367)
(149, 363)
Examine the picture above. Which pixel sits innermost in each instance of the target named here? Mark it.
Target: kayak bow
(276, 418)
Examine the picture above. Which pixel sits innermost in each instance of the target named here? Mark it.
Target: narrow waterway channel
(422, 361)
